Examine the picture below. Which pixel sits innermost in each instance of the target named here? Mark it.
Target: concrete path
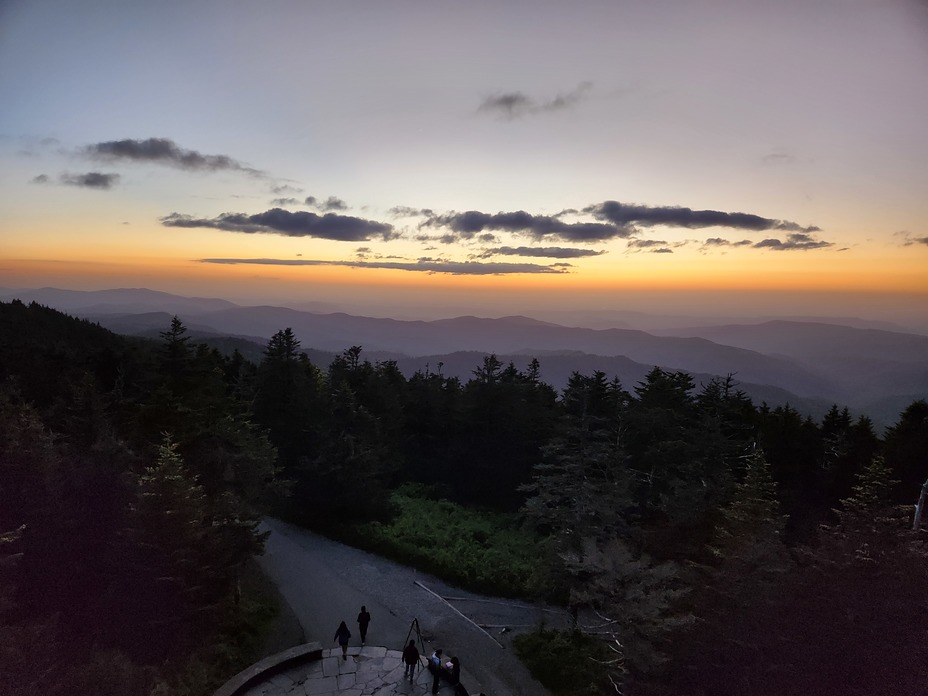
(368, 671)
(326, 582)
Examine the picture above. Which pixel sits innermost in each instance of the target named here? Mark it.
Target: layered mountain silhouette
(808, 364)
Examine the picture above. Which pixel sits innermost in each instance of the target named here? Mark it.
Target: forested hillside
(722, 546)
(130, 486)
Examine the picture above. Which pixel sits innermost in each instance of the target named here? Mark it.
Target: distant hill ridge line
(813, 360)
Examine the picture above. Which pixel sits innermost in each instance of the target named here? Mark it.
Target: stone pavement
(368, 671)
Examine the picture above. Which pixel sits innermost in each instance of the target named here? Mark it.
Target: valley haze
(874, 367)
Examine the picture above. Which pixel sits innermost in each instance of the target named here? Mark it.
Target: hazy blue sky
(496, 156)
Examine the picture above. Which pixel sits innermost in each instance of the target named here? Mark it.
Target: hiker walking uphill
(343, 635)
(364, 618)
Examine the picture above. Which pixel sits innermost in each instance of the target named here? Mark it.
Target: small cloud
(333, 203)
(651, 246)
(423, 265)
(285, 201)
(285, 189)
(403, 211)
(645, 243)
(40, 179)
(513, 105)
(509, 104)
(341, 228)
(909, 239)
(166, 152)
(540, 252)
(794, 242)
(563, 101)
(94, 180)
(329, 204)
(778, 157)
(720, 243)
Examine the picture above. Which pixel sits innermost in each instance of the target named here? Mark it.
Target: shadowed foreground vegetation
(484, 551)
(722, 547)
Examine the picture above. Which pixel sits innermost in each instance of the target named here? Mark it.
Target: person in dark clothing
(363, 620)
(343, 635)
(454, 675)
(410, 659)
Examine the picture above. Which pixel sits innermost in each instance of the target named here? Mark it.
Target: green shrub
(476, 549)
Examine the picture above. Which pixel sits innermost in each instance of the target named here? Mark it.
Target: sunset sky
(441, 157)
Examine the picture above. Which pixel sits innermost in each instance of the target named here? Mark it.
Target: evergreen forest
(704, 544)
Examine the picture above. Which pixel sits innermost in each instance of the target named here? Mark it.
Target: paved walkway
(368, 671)
(326, 582)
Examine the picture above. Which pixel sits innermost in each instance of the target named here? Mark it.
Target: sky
(442, 157)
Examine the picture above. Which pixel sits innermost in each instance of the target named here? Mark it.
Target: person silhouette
(410, 659)
(364, 619)
(342, 635)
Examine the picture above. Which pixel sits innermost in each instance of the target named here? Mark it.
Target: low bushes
(478, 550)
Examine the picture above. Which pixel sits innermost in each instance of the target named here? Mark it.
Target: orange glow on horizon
(806, 274)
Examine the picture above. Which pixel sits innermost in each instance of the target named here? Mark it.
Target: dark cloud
(342, 228)
(645, 243)
(333, 203)
(285, 201)
(165, 151)
(95, 180)
(647, 216)
(466, 225)
(329, 204)
(615, 221)
(512, 105)
(794, 242)
(541, 252)
(282, 189)
(423, 265)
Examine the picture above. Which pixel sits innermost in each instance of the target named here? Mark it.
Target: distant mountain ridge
(803, 362)
(115, 301)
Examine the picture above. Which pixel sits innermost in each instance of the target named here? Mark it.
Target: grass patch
(564, 661)
(479, 550)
